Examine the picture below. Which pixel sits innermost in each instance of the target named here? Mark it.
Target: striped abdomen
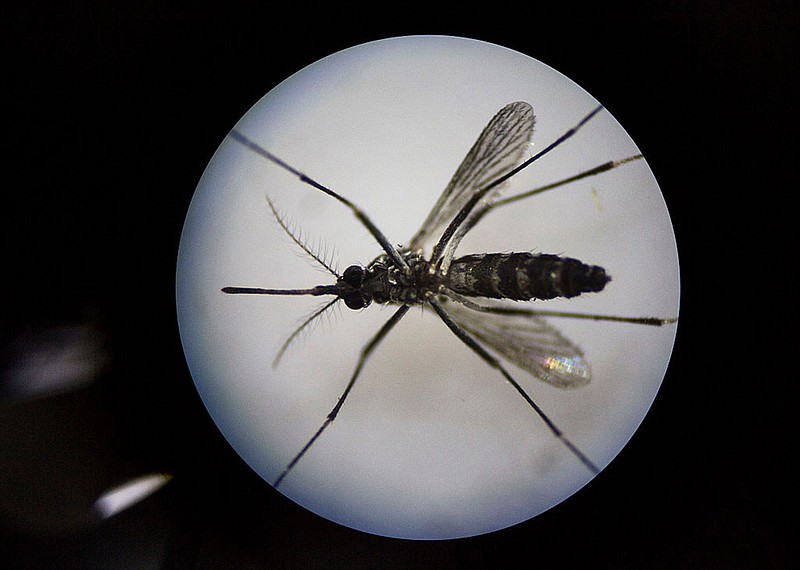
(523, 276)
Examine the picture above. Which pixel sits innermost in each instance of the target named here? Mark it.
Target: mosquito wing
(498, 150)
(528, 341)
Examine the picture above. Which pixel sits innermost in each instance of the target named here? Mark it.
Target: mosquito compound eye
(353, 276)
(356, 301)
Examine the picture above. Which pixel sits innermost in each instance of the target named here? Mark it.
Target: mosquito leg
(524, 312)
(365, 352)
(651, 321)
(494, 363)
(390, 250)
(441, 247)
(599, 169)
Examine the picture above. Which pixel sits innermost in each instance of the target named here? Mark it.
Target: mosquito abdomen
(523, 276)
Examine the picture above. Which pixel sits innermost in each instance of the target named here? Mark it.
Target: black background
(113, 116)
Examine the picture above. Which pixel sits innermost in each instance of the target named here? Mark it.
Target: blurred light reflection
(52, 360)
(119, 498)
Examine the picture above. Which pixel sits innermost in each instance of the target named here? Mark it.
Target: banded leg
(384, 242)
(465, 337)
(599, 169)
(365, 352)
(525, 312)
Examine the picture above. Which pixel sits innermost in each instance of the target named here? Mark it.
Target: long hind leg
(476, 347)
(365, 353)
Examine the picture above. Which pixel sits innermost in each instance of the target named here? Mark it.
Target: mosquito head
(351, 288)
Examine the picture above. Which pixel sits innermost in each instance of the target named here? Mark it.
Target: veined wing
(498, 150)
(528, 341)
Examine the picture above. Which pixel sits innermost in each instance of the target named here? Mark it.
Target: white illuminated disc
(431, 443)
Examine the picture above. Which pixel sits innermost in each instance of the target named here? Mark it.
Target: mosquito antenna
(441, 247)
(297, 240)
(297, 331)
(390, 250)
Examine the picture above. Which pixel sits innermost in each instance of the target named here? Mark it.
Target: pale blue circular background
(431, 443)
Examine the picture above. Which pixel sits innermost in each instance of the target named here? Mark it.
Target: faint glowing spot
(53, 360)
(597, 200)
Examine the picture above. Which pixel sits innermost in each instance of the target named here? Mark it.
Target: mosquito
(448, 285)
